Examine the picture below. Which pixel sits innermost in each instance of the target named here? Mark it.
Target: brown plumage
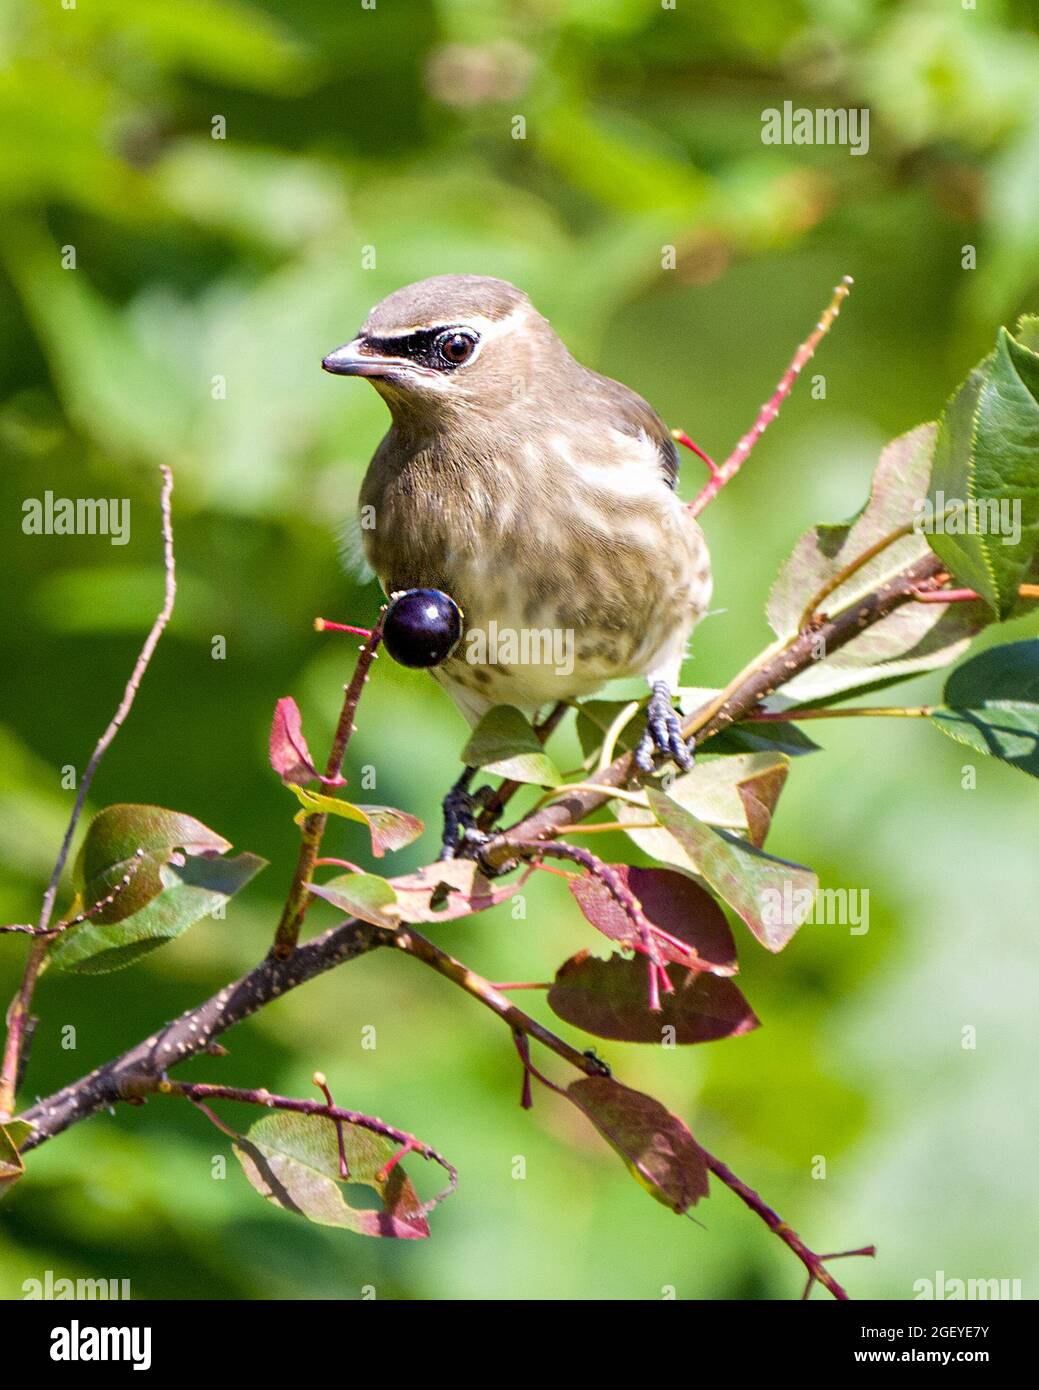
(537, 493)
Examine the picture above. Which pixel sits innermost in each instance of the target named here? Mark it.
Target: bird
(540, 495)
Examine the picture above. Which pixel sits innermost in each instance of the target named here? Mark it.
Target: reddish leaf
(759, 795)
(289, 754)
(457, 887)
(658, 1149)
(695, 931)
(609, 998)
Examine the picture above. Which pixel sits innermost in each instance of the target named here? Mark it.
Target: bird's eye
(456, 348)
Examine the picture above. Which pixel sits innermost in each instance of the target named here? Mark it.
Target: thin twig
(725, 472)
(199, 1092)
(843, 575)
(812, 1262)
(647, 941)
(967, 595)
(18, 1014)
(299, 897)
(420, 948)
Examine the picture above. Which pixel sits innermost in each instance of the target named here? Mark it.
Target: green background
(392, 128)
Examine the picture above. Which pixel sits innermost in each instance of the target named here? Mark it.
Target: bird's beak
(352, 360)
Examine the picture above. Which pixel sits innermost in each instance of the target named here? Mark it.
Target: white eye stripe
(487, 329)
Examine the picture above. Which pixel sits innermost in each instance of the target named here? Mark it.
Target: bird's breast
(568, 572)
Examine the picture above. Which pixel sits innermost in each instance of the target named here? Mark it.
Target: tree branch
(779, 664)
(143, 1068)
(192, 1033)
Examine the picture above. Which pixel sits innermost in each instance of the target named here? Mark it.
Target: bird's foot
(663, 733)
(461, 807)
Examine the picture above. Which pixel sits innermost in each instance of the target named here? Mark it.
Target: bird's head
(452, 343)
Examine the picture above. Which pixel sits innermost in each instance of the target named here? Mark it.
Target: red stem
(720, 475)
(812, 1262)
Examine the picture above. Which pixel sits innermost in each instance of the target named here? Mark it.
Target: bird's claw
(663, 732)
(461, 807)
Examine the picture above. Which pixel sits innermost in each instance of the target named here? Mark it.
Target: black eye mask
(419, 347)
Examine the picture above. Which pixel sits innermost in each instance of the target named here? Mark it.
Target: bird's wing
(629, 412)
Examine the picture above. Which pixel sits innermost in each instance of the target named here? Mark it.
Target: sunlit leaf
(916, 636)
(361, 895)
(136, 841)
(293, 1161)
(389, 828)
(774, 897)
(504, 742)
(11, 1164)
(985, 462)
(713, 788)
(192, 887)
(448, 889)
(289, 755)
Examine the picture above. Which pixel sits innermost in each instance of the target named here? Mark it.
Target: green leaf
(773, 896)
(610, 999)
(594, 719)
(156, 872)
(389, 828)
(916, 636)
(18, 1131)
(192, 887)
(11, 1165)
(775, 736)
(362, 895)
(293, 1161)
(134, 840)
(657, 1148)
(992, 704)
(987, 457)
(504, 742)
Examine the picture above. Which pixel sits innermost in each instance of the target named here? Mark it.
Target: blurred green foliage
(210, 277)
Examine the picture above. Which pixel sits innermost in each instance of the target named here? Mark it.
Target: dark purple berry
(422, 627)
